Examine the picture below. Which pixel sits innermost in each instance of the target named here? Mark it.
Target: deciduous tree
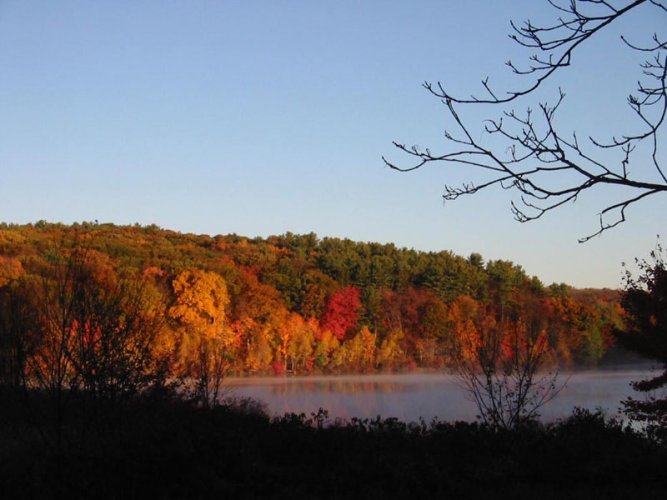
(207, 343)
(532, 153)
(645, 302)
(342, 311)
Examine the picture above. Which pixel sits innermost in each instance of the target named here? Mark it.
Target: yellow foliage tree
(360, 349)
(325, 346)
(390, 351)
(260, 352)
(206, 344)
(297, 342)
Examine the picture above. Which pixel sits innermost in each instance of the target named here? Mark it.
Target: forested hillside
(188, 303)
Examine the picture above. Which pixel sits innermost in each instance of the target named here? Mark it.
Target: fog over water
(411, 396)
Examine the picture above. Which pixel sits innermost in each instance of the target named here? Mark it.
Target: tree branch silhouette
(547, 167)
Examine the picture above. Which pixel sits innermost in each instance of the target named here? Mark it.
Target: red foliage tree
(342, 311)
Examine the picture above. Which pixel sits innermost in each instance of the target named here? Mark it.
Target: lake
(411, 396)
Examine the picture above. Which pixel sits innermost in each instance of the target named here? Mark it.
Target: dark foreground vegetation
(160, 446)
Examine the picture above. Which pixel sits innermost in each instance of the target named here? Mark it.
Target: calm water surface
(411, 396)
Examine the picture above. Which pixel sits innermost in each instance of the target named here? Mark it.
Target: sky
(262, 117)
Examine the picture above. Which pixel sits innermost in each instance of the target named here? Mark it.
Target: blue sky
(261, 117)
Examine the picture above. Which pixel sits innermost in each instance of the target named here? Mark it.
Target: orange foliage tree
(260, 315)
(206, 344)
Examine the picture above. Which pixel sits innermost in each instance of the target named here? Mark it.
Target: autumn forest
(290, 303)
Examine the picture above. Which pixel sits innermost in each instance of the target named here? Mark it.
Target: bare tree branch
(547, 168)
